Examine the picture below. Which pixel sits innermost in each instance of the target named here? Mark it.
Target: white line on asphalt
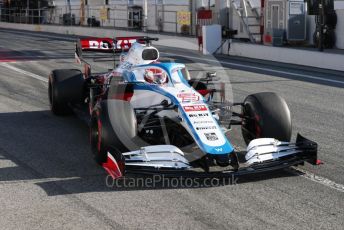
(35, 76)
(318, 179)
(259, 68)
(308, 175)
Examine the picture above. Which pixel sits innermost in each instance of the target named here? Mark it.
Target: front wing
(263, 155)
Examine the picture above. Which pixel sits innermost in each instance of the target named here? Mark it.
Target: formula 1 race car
(149, 117)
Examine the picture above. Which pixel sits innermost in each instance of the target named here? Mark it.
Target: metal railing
(93, 17)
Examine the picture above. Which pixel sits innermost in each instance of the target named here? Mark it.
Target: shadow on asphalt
(54, 153)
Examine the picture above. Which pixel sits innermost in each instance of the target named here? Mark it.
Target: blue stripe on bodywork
(224, 149)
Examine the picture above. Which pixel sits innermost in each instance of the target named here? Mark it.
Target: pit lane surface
(48, 178)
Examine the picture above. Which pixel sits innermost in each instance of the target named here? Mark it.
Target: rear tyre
(266, 115)
(66, 86)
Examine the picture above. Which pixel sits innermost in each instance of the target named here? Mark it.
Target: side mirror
(164, 103)
(186, 74)
(210, 76)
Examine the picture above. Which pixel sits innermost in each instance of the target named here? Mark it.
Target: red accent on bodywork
(193, 108)
(112, 168)
(99, 132)
(203, 92)
(123, 96)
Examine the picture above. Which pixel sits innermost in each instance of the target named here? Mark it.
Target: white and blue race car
(149, 117)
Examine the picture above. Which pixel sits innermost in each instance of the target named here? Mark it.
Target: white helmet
(160, 77)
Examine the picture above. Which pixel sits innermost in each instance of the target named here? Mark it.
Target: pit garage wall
(339, 7)
(119, 11)
(170, 9)
(188, 43)
(234, 23)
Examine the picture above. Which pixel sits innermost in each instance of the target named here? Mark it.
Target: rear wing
(107, 45)
(103, 45)
(117, 44)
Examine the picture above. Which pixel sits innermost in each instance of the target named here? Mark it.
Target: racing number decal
(188, 97)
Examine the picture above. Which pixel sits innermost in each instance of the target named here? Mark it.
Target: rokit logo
(192, 108)
(99, 45)
(125, 44)
(199, 115)
(106, 44)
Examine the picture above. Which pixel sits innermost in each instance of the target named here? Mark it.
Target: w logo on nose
(218, 149)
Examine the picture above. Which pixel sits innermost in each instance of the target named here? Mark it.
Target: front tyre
(100, 146)
(113, 126)
(266, 115)
(96, 139)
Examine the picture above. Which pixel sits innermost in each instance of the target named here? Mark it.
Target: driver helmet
(149, 76)
(159, 77)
